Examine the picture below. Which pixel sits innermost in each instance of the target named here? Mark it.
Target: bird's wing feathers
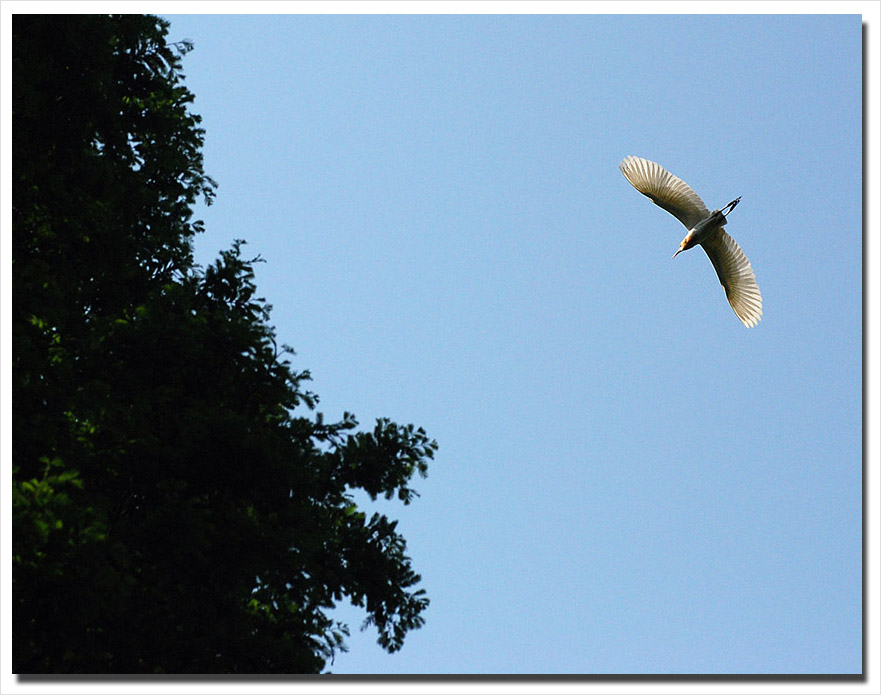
(736, 275)
(668, 191)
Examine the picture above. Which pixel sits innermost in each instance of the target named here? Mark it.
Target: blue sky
(628, 480)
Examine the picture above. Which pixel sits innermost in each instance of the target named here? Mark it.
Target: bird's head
(686, 244)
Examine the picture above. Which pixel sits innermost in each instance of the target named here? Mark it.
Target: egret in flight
(705, 228)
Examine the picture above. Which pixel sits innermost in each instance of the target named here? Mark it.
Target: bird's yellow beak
(678, 252)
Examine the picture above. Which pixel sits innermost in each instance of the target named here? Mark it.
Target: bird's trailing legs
(731, 205)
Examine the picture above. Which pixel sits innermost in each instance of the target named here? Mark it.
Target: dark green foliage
(177, 506)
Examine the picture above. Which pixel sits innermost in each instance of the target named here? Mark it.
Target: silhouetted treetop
(178, 504)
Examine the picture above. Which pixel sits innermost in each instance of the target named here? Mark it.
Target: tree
(178, 504)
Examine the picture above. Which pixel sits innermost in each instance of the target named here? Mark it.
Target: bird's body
(705, 228)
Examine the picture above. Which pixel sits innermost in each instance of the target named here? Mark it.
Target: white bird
(705, 228)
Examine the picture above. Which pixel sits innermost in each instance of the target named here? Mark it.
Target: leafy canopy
(178, 504)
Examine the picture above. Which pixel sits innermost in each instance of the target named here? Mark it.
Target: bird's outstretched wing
(668, 191)
(736, 275)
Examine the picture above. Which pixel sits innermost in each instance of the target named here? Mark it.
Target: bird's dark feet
(733, 204)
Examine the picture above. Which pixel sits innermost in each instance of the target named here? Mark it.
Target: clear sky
(628, 480)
